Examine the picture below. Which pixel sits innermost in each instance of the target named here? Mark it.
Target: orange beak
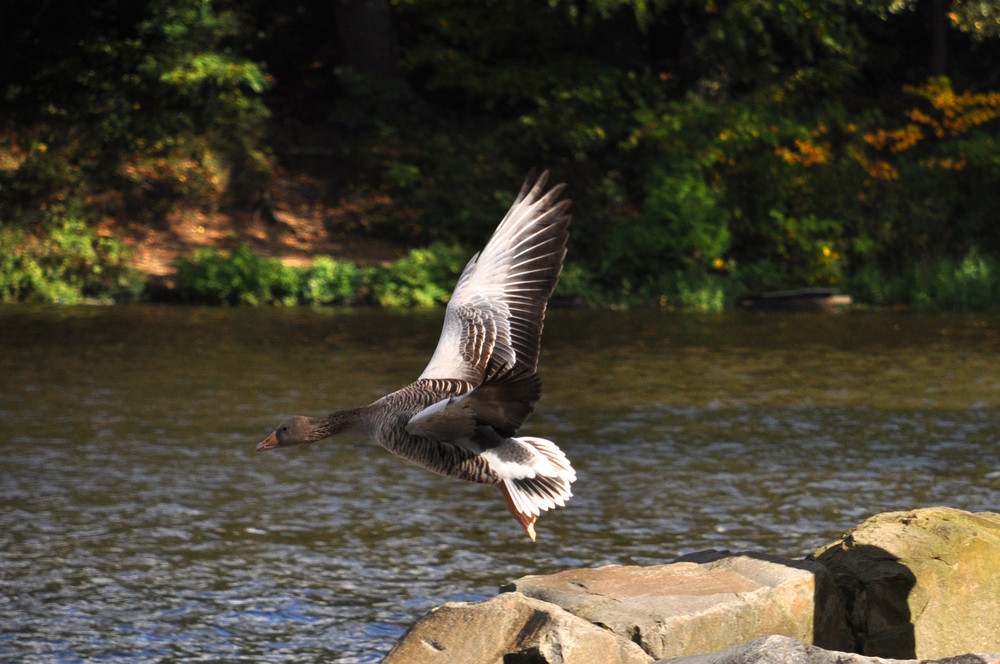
(268, 443)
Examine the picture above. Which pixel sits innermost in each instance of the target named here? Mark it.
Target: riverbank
(299, 245)
(259, 252)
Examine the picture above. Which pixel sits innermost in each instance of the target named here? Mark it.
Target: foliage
(425, 277)
(66, 262)
(127, 108)
(329, 281)
(710, 148)
(969, 283)
(980, 18)
(919, 187)
(699, 292)
(241, 277)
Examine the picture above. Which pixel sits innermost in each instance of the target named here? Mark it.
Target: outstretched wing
(493, 322)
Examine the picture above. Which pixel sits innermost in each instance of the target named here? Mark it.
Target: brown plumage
(460, 416)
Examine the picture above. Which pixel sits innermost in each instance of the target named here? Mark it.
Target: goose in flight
(460, 417)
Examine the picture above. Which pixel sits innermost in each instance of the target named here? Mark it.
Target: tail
(535, 476)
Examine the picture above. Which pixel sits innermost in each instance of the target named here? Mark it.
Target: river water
(138, 524)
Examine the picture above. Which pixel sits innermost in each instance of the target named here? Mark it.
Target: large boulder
(922, 583)
(704, 602)
(510, 628)
(783, 650)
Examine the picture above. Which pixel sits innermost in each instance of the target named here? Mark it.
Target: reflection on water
(137, 523)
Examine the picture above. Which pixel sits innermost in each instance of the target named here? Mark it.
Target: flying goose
(460, 416)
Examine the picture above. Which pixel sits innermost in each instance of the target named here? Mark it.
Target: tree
(117, 94)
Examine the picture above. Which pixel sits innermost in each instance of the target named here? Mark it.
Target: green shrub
(65, 262)
(242, 277)
(694, 224)
(424, 277)
(971, 283)
(682, 228)
(329, 281)
(577, 282)
(700, 291)
(808, 249)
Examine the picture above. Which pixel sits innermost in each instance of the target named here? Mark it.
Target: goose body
(460, 417)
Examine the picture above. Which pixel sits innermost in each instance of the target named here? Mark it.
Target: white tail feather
(535, 473)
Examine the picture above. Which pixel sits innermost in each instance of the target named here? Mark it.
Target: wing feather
(494, 319)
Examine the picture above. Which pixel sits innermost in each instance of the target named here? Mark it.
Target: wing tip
(533, 191)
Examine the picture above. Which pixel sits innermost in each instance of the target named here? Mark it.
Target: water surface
(138, 524)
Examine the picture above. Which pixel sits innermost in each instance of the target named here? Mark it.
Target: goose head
(294, 431)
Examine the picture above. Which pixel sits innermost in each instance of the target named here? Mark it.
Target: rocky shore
(901, 586)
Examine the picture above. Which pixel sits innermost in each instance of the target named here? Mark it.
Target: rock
(510, 629)
(783, 650)
(921, 583)
(701, 603)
